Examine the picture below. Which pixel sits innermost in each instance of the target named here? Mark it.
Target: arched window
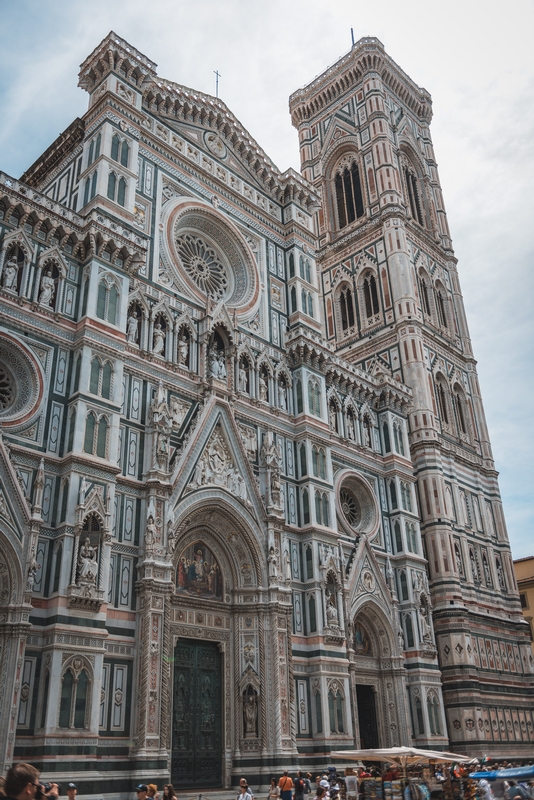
(318, 508)
(94, 381)
(115, 144)
(486, 568)
(408, 627)
(312, 614)
(442, 399)
(293, 299)
(370, 296)
(305, 507)
(73, 700)
(125, 152)
(411, 537)
(335, 710)
(309, 563)
(399, 440)
(310, 305)
(406, 498)
(57, 567)
(385, 434)
(349, 198)
(291, 265)
(419, 719)
(318, 713)
(393, 494)
(412, 185)
(460, 410)
(326, 510)
(458, 559)
(112, 185)
(44, 707)
(64, 498)
(121, 192)
(107, 373)
(300, 403)
(441, 305)
(102, 438)
(432, 707)
(303, 464)
(90, 427)
(403, 583)
(107, 300)
(314, 398)
(93, 184)
(398, 537)
(424, 293)
(346, 308)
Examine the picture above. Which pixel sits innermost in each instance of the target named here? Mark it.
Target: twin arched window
(305, 269)
(307, 302)
(370, 296)
(406, 496)
(94, 149)
(117, 189)
(107, 302)
(100, 378)
(74, 699)
(399, 440)
(319, 462)
(346, 308)
(314, 398)
(335, 710)
(96, 435)
(414, 196)
(349, 198)
(90, 187)
(322, 513)
(120, 151)
(433, 709)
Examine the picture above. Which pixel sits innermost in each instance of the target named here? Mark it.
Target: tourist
(71, 791)
(142, 791)
(320, 794)
(22, 783)
(244, 791)
(299, 787)
(274, 790)
(286, 785)
(153, 791)
(168, 792)
(307, 785)
(516, 792)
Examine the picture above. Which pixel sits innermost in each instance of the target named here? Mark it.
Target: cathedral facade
(248, 508)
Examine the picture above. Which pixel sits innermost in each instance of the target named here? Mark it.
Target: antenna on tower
(217, 76)
(352, 35)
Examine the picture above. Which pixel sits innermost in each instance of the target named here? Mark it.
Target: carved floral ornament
(209, 257)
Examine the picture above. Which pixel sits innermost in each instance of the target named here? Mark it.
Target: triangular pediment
(216, 458)
(14, 510)
(366, 580)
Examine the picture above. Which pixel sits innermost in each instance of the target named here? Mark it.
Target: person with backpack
(286, 785)
(298, 784)
(307, 786)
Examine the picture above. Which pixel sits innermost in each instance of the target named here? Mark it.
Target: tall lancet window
(413, 195)
(349, 196)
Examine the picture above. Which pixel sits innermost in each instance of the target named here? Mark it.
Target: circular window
(203, 265)
(207, 255)
(357, 505)
(20, 383)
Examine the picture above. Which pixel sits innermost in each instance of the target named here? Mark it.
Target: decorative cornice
(367, 55)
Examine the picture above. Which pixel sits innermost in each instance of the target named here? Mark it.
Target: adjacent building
(248, 508)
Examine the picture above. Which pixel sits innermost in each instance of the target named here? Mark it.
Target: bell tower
(392, 301)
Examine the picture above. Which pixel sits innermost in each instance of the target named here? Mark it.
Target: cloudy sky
(474, 56)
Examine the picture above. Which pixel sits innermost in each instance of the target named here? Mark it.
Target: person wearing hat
(71, 791)
(142, 791)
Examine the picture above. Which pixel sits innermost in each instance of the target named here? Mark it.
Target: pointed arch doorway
(197, 739)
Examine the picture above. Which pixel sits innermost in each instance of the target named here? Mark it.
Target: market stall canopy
(503, 774)
(401, 756)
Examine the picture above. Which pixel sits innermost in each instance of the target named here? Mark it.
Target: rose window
(350, 507)
(7, 390)
(203, 265)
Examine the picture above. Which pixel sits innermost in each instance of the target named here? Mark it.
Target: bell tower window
(349, 198)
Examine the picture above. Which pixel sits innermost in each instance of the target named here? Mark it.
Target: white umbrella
(401, 756)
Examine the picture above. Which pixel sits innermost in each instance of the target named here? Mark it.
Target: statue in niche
(332, 618)
(183, 350)
(178, 411)
(222, 367)
(351, 431)
(32, 570)
(132, 328)
(158, 344)
(251, 714)
(47, 289)
(263, 388)
(273, 563)
(150, 533)
(271, 459)
(332, 417)
(424, 617)
(87, 562)
(287, 566)
(242, 378)
(282, 396)
(11, 272)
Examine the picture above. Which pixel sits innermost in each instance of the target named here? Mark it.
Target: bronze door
(367, 717)
(197, 716)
